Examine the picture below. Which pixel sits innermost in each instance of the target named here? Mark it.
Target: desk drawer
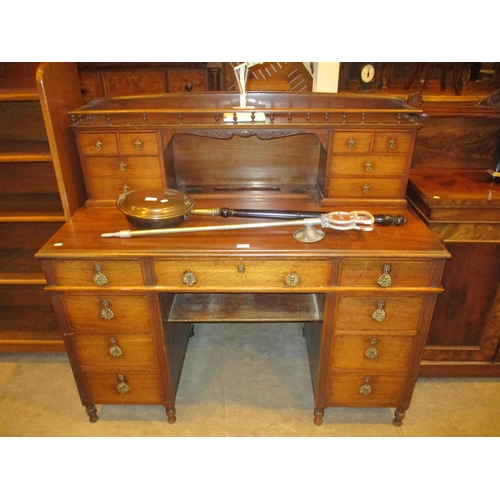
(394, 313)
(392, 142)
(140, 143)
(365, 389)
(97, 273)
(386, 273)
(242, 274)
(98, 144)
(368, 165)
(134, 167)
(367, 188)
(111, 188)
(107, 314)
(139, 388)
(115, 351)
(352, 142)
(369, 352)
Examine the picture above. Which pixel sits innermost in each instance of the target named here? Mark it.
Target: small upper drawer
(142, 143)
(105, 188)
(369, 188)
(386, 273)
(242, 275)
(107, 313)
(133, 167)
(98, 144)
(97, 273)
(393, 313)
(367, 166)
(352, 142)
(390, 142)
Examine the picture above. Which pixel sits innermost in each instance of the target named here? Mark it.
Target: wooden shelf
(252, 307)
(39, 191)
(19, 94)
(24, 151)
(28, 328)
(31, 207)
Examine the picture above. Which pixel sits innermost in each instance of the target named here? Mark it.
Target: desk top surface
(81, 237)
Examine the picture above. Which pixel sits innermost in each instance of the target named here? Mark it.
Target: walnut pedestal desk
(126, 306)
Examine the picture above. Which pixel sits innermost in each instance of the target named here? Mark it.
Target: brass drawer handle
(138, 145)
(379, 314)
(385, 279)
(292, 279)
(125, 189)
(368, 167)
(114, 350)
(106, 312)
(122, 385)
(99, 278)
(189, 278)
(365, 189)
(98, 145)
(122, 166)
(371, 352)
(392, 143)
(241, 268)
(351, 143)
(366, 389)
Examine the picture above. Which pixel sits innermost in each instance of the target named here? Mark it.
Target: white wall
(325, 76)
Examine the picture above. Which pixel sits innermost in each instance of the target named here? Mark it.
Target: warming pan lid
(155, 204)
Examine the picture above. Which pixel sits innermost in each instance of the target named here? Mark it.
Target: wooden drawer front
(98, 144)
(106, 188)
(402, 314)
(369, 352)
(126, 167)
(352, 142)
(87, 313)
(393, 143)
(138, 143)
(244, 274)
(98, 273)
(344, 389)
(137, 82)
(143, 387)
(366, 188)
(187, 80)
(402, 273)
(116, 351)
(368, 166)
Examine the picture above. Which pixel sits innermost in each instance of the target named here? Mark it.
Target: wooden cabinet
(128, 307)
(462, 207)
(126, 79)
(456, 196)
(40, 188)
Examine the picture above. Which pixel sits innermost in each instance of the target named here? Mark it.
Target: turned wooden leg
(398, 417)
(92, 413)
(318, 415)
(171, 415)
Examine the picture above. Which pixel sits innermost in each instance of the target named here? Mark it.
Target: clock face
(367, 73)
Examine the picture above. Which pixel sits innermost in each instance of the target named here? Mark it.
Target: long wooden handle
(380, 219)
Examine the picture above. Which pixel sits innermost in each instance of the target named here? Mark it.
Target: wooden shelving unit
(41, 186)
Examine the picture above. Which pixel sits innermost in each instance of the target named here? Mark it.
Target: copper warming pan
(164, 208)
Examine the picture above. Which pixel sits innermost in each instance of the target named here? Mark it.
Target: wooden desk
(126, 306)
